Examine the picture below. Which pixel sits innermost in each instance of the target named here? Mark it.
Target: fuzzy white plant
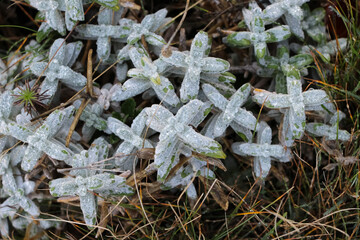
(257, 35)
(61, 57)
(263, 151)
(230, 111)
(175, 132)
(194, 63)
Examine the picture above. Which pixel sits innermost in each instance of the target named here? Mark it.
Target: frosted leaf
(147, 27)
(103, 96)
(174, 132)
(230, 110)
(325, 50)
(313, 23)
(157, 117)
(17, 193)
(295, 101)
(133, 140)
(284, 65)
(91, 115)
(130, 88)
(53, 16)
(148, 70)
(6, 103)
(74, 12)
(62, 56)
(292, 11)
(83, 187)
(105, 32)
(15, 130)
(8, 69)
(330, 132)
(42, 139)
(255, 20)
(98, 151)
(34, 228)
(112, 4)
(262, 151)
(194, 63)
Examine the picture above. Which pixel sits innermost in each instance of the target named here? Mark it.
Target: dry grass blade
(89, 74)
(76, 120)
(216, 192)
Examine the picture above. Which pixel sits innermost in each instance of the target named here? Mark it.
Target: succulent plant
(133, 140)
(263, 151)
(230, 110)
(330, 132)
(294, 103)
(104, 32)
(17, 189)
(313, 23)
(283, 63)
(147, 74)
(175, 131)
(325, 50)
(291, 10)
(257, 36)
(41, 140)
(195, 62)
(61, 57)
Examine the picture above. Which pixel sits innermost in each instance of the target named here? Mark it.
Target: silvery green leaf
(148, 70)
(166, 157)
(133, 140)
(295, 101)
(74, 12)
(88, 205)
(277, 34)
(239, 39)
(324, 50)
(58, 68)
(15, 130)
(195, 62)
(225, 77)
(263, 151)
(245, 133)
(72, 51)
(114, 186)
(292, 12)
(315, 97)
(313, 23)
(53, 17)
(330, 132)
(113, 4)
(147, 28)
(91, 31)
(9, 70)
(202, 144)
(157, 117)
(177, 59)
(131, 88)
(42, 140)
(202, 113)
(98, 151)
(230, 110)
(174, 132)
(6, 103)
(17, 193)
(182, 179)
(165, 92)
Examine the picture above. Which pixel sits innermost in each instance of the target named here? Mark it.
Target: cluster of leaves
(198, 103)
